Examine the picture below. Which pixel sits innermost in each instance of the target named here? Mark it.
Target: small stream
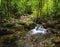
(34, 36)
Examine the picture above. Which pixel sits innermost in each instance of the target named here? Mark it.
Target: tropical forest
(29, 23)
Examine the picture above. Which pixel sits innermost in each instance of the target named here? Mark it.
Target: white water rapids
(38, 29)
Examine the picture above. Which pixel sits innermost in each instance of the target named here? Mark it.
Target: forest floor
(13, 31)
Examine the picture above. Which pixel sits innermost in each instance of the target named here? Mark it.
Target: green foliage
(12, 8)
(48, 7)
(57, 8)
(0, 2)
(40, 8)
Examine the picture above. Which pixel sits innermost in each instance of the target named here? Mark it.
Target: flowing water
(39, 29)
(35, 36)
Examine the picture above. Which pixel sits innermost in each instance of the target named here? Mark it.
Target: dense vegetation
(12, 8)
(17, 17)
